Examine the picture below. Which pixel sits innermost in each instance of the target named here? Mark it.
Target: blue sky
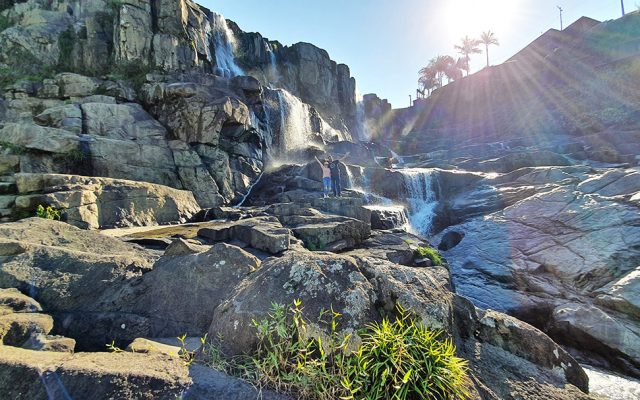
(385, 42)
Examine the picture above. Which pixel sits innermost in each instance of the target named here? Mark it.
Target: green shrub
(66, 42)
(133, 72)
(115, 5)
(13, 148)
(4, 23)
(428, 252)
(73, 156)
(396, 360)
(47, 212)
(24, 66)
(405, 360)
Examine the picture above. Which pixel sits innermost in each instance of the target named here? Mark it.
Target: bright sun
(471, 17)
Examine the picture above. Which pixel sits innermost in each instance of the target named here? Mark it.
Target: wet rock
(387, 218)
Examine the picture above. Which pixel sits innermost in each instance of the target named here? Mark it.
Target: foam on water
(421, 199)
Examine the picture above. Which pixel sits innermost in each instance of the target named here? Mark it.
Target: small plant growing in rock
(428, 252)
(47, 212)
(13, 148)
(113, 348)
(188, 356)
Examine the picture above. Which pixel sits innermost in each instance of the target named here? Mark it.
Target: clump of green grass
(133, 72)
(428, 252)
(4, 23)
(13, 148)
(397, 360)
(47, 212)
(73, 156)
(405, 360)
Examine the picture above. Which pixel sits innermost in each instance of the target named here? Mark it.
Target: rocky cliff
(148, 91)
(138, 113)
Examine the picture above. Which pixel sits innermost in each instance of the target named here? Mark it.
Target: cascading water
(224, 42)
(272, 71)
(295, 121)
(421, 198)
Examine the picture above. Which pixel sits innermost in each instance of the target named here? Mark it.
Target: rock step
(17, 328)
(42, 342)
(8, 188)
(7, 201)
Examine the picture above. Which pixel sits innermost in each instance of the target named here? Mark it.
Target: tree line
(444, 66)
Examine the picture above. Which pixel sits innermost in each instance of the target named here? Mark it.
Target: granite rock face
(93, 203)
(562, 254)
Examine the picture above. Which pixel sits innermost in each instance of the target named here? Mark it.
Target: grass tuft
(428, 252)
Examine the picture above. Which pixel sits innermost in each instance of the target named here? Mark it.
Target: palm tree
(438, 68)
(488, 38)
(428, 82)
(466, 47)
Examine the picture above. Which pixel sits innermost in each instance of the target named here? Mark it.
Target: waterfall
(421, 198)
(246, 195)
(272, 70)
(295, 122)
(224, 42)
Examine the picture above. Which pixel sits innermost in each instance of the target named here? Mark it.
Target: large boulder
(321, 231)
(93, 203)
(35, 137)
(76, 276)
(356, 288)
(566, 243)
(512, 359)
(123, 375)
(17, 328)
(182, 291)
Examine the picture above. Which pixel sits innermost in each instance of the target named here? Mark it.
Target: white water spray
(225, 43)
(295, 122)
(421, 198)
(362, 129)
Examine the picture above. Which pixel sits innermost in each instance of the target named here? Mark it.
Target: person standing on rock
(326, 177)
(334, 166)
